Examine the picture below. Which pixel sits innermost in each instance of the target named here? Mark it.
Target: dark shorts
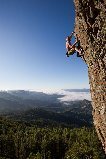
(71, 52)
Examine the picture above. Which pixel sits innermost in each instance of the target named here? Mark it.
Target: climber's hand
(72, 32)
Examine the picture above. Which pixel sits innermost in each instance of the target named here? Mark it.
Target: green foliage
(21, 141)
(75, 117)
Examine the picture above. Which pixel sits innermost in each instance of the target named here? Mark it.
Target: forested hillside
(34, 128)
(74, 117)
(21, 141)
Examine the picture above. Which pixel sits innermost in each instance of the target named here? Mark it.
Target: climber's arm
(75, 43)
(71, 35)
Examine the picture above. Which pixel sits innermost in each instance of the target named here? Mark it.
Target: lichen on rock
(90, 27)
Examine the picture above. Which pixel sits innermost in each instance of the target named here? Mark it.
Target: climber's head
(67, 38)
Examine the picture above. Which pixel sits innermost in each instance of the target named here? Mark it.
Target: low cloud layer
(73, 96)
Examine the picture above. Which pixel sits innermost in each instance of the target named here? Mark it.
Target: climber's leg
(79, 52)
(78, 55)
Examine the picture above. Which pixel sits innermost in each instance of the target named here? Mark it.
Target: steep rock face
(90, 27)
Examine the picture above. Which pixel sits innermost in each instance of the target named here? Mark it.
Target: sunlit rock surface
(90, 27)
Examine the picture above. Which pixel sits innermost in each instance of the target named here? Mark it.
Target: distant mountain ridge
(42, 96)
(18, 100)
(46, 109)
(77, 90)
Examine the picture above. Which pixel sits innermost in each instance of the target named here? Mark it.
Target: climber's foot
(81, 53)
(67, 54)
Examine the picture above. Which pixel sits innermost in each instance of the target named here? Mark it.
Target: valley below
(37, 125)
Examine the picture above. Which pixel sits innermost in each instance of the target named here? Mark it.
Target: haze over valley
(15, 100)
(68, 107)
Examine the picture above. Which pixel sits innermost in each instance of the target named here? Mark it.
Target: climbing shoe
(67, 54)
(82, 52)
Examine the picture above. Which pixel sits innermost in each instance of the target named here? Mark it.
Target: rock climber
(72, 48)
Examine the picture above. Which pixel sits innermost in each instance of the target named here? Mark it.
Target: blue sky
(32, 46)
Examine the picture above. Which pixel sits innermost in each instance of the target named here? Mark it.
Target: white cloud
(71, 96)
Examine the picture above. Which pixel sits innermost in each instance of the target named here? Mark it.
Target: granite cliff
(90, 27)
